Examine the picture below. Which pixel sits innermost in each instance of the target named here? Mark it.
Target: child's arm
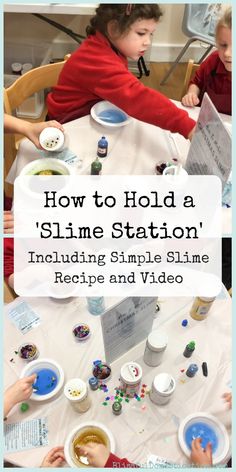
(8, 222)
(30, 130)
(199, 456)
(99, 456)
(191, 98)
(18, 392)
(54, 458)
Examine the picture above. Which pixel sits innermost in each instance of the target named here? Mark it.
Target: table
(55, 8)
(133, 149)
(137, 432)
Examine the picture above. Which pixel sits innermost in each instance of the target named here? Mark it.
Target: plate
(83, 428)
(50, 378)
(210, 429)
(107, 114)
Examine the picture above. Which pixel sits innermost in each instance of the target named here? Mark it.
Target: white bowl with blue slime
(209, 429)
(49, 381)
(107, 114)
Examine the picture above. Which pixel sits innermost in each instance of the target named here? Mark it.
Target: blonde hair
(225, 21)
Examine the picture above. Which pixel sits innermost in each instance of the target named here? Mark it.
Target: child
(32, 132)
(214, 74)
(98, 71)
(20, 391)
(99, 456)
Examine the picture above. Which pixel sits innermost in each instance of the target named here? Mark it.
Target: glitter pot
(76, 392)
(130, 378)
(155, 347)
(28, 352)
(102, 372)
(81, 332)
(163, 387)
(116, 408)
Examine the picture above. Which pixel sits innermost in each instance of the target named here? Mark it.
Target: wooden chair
(190, 71)
(40, 78)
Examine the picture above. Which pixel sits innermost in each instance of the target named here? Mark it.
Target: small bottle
(192, 370)
(189, 349)
(116, 408)
(96, 167)
(96, 305)
(201, 307)
(102, 147)
(26, 67)
(93, 383)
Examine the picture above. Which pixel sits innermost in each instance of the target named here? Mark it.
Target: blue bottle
(96, 305)
(102, 147)
(192, 370)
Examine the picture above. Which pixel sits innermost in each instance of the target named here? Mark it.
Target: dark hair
(125, 15)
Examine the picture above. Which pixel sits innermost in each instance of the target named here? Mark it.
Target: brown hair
(225, 21)
(124, 15)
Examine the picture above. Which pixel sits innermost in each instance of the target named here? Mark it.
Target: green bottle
(96, 167)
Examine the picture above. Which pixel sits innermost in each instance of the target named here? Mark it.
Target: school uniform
(213, 78)
(97, 71)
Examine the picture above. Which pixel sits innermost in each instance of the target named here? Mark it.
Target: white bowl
(47, 163)
(105, 106)
(78, 430)
(36, 366)
(52, 139)
(222, 447)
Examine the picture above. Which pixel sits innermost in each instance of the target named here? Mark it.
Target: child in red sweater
(98, 70)
(214, 74)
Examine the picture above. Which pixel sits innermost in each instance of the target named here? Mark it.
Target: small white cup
(52, 139)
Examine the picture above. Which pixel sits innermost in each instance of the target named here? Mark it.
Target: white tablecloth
(133, 149)
(138, 432)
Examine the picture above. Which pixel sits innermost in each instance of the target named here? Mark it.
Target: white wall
(167, 41)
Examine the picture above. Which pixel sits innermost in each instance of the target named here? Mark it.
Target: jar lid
(131, 372)
(16, 67)
(157, 340)
(75, 390)
(27, 66)
(207, 299)
(164, 384)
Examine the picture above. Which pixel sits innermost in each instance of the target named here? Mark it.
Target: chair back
(190, 71)
(33, 81)
(200, 20)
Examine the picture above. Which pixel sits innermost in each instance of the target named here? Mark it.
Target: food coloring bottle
(189, 349)
(96, 167)
(102, 147)
(192, 370)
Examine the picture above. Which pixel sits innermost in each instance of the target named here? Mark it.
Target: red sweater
(8, 257)
(115, 462)
(213, 78)
(94, 72)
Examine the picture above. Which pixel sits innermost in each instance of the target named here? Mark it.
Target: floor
(173, 87)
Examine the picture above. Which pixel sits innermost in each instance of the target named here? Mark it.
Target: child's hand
(8, 222)
(54, 458)
(33, 130)
(199, 456)
(190, 100)
(97, 454)
(228, 398)
(18, 392)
